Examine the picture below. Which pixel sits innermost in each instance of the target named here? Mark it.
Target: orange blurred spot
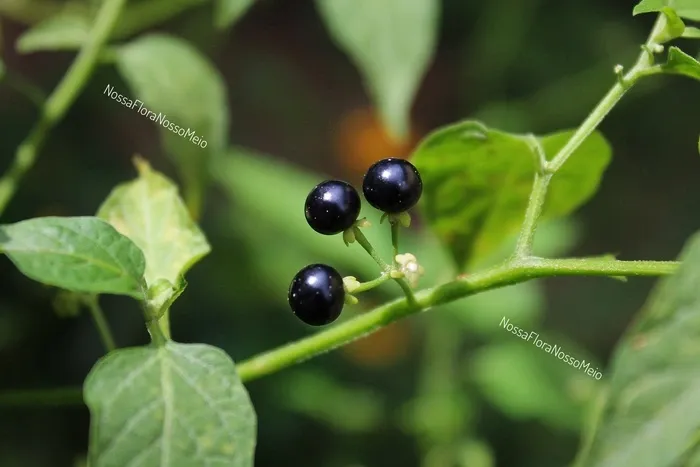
(361, 140)
(383, 348)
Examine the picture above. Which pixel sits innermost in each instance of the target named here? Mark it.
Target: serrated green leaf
(477, 181)
(689, 9)
(65, 31)
(81, 254)
(651, 416)
(691, 32)
(227, 12)
(680, 63)
(150, 212)
(177, 83)
(526, 382)
(178, 405)
(392, 43)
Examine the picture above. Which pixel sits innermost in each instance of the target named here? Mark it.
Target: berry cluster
(317, 293)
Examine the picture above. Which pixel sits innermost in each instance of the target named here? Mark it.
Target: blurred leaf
(392, 43)
(476, 453)
(228, 12)
(651, 415)
(689, 9)
(174, 80)
(81, 254)
(477, 182)
(66, 31)
(526, 382)
(318, 396)
(523, 303)
(678, 62)
(150, 212)
(691, 32)
(174, 405)
(437, 416)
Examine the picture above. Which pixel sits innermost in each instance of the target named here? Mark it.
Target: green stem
(61, 98)
(364, 243)
(158, 335)
(642, 67)
(98, 316)
(395, 239)
(296, 352)
(369, 285)
(362, 240)
(535, 204)
(511, 273)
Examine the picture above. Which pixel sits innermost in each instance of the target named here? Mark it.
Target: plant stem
(516, 271)
(365, 286)
(364, 243)
(644, 66)
(395, 239)
(535, 204)
(269, 362)
(61, 98)
(362, 240)
(98, 316)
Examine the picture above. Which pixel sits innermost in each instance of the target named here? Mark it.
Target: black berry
(316, 294)
(392, 185)
(332, 207)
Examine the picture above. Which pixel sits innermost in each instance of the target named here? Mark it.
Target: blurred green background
(448, 388)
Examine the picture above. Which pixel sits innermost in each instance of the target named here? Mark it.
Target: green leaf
(65, 31)
(178, 405)
(392, 43)
(150, 212)
(673, 28)
(477, 182)
(650, 418)
(185, 96)
(227, 12)
(81, 254)
(689, 9)
(691, 32)
(680, 63)
(526, 382)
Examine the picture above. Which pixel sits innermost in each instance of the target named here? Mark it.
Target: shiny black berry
(317, 294)
(332, 207)
(392, 185)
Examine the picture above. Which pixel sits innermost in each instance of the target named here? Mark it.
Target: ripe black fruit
(392, 185)
(316, 294)
(332, 207)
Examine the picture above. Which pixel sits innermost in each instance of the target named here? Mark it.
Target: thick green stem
(61, 98)
(510, 273)
(98, 316)
(296, 352)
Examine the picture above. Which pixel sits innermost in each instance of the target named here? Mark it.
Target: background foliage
(436, 391)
